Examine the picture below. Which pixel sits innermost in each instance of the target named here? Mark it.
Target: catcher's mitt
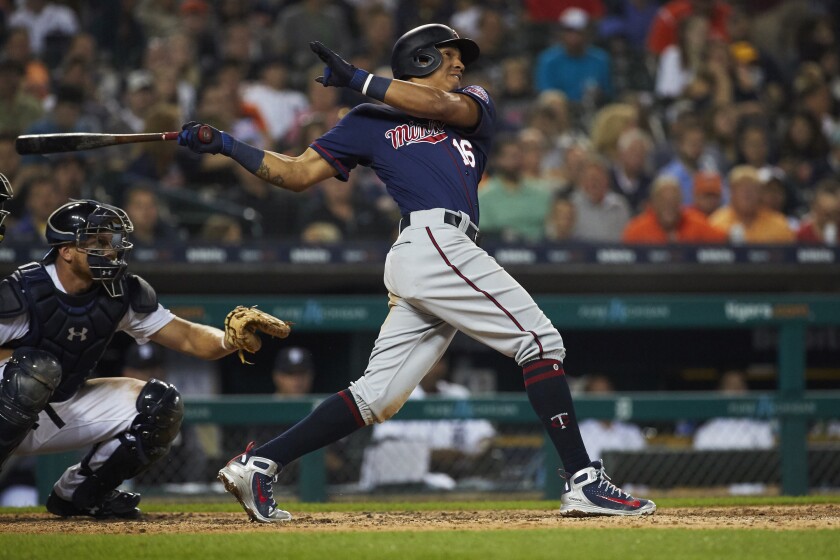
(242, 325)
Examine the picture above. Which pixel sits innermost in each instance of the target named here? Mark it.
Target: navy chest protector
(74, 329)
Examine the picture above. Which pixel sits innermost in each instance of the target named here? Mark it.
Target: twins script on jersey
(415, 157)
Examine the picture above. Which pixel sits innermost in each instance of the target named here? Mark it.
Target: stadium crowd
(636, 121)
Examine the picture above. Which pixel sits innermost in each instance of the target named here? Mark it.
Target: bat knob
(205, 134)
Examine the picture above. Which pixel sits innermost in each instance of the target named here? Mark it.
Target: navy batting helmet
(97, 229)
(416, 53)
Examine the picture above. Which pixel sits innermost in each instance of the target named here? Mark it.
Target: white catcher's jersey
(102, 408)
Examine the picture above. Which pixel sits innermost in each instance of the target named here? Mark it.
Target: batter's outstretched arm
(294, 173)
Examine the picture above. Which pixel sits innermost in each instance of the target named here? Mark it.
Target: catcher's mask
(6, 193)
(416, 53)
(101, 232)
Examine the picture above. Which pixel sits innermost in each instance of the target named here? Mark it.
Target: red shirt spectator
(663, 30)
(550, 10)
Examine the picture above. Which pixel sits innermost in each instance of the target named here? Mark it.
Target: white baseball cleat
(249, 479)
(590, 492)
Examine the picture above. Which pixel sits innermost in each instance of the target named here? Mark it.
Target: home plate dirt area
(780, 518)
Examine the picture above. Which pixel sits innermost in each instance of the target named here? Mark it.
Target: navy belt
(448, 218)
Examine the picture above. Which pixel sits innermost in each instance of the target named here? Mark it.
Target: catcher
(57, 317)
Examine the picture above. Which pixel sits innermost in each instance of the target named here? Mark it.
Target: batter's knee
(375, 407)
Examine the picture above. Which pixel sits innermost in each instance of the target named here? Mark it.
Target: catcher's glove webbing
(242, 325)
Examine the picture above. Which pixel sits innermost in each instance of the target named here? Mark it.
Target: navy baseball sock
(548, 391)
(336, 417)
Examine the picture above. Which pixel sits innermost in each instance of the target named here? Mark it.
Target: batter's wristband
(246, 155)
(370, 85)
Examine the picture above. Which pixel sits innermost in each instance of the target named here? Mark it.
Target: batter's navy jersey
(424, 163)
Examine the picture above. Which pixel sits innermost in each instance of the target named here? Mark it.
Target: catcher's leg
(30, 377)
(89, 488)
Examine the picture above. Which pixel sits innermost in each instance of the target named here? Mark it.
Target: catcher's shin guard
(30, 377)
(161, 410)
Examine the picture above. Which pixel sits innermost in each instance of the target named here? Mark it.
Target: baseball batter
(428, 143)
(57, 317)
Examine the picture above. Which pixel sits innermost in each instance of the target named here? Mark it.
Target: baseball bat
(76, 141)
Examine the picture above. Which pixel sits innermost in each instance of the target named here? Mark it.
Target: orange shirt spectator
(667, 221)
(663, 30)
(745, 219)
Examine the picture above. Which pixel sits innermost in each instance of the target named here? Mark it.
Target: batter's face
(448, 75)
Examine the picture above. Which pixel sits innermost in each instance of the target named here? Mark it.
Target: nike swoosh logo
(262, 498)
(631, 503)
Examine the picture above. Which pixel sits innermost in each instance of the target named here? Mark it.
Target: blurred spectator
(293, 372)
(690, 140)
(633, 18)
(344, 205)
(160, 18)
(434, 453)
(814, 97)
(820, 225)
(745, 219)
(516, 93)
(310, 20)
(18, 108)
(631, 73)
(609, 123)
(560, 222)
(778, 196)
(513, 208)
(551, 10)
(551, 115)
(47, 23)
(803, 147)
(735, 433)
(160, 162)
(144, 362)
(321, 233)
(664, 29)
(724, 132)
(575, 67)
(411, 13)
(708, 192)
(324, 110)
(42, 198)
(534, 146)
(198, 23)
(117, 29)
(70, 171)
(280, 105)
(17, 48)
(630, 176)
(667, 221)
(601, 213)
(144, 208)
(138, 100)
(379, 34)
(497, 40)
(681, 61)
(754, 143)
(221, 229)
(606, 435)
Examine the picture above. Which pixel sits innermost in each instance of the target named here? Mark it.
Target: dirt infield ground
(819, 516)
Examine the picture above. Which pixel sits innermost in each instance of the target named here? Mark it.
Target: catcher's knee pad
(160, 411)
(30, 377)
